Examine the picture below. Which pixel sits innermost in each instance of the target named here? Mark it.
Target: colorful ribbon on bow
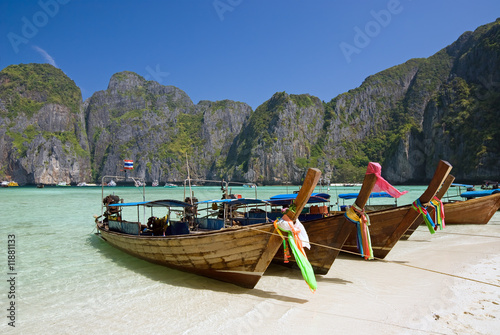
(382, 184)
(417, 205)
(438, 212)
(360, 218)
(297, 239)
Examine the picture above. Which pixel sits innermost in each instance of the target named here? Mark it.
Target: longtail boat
(477, 208)
(328, 234)
(387, 226)
(471, 211)
(237, 255)
(439, 195)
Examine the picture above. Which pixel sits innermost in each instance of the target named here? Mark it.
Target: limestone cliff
(42, 128)
(277, 141)
(158, 127)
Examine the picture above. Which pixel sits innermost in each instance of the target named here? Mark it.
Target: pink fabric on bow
(382, 184)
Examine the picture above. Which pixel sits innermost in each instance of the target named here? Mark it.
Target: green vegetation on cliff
(25, 88)
(257, 131)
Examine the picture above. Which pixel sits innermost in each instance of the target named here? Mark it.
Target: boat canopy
(155, 203)
(286, 199)
(372, 195)
(462, 185)
(234, 202)
(477, 194)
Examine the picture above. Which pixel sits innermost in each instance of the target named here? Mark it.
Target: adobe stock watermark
(223, 6)
(30, 27)
(254, 319)
(423, 318)
(156, 74)
(372, 29)
(489, 87)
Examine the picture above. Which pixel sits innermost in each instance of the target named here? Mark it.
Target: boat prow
(388, 226)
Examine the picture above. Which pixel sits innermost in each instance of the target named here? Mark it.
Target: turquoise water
(69, 281)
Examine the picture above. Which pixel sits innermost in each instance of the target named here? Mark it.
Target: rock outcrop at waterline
(406, 117)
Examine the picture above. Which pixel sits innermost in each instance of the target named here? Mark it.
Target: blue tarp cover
(155, 203)
(233, 202)
(477, 194)
(462, 185)
(286, 199)
(373, 195)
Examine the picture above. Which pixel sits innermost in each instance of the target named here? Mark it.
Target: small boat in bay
(169, 185)
(238, 254)
(9, 184)
(110, 183)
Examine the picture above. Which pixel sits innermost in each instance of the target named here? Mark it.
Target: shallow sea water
(68, 281)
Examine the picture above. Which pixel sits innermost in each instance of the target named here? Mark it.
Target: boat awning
(155, 203)
(127, 204)
(372, 195)
(477, 194)
(234, 202)
(462, 185)
(286, 199)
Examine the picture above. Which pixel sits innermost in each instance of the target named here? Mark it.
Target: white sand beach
(374, 297)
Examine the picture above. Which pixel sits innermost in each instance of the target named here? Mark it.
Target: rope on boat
(387, 261)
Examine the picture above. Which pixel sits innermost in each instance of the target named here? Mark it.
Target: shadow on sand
(282, 275)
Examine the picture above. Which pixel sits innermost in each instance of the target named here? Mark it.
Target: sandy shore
(374, 297)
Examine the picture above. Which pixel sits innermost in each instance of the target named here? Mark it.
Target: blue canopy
(462, 185)
(234, 202)
(373, 195)
(286, 199)
(477, 194)
(155, 203)
(126, 204)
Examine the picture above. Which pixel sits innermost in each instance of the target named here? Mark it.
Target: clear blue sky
(243, 50)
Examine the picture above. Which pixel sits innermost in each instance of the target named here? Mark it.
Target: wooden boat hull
(238, 256)
(327, 236)
(386, 228)
(473, 211)
(336, 233)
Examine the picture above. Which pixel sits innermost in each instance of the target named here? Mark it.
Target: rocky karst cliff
(406, 117)
(42, 128)
(157, 127)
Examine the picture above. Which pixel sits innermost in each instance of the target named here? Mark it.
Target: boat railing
(225, 185)
(454, 193)
(350, 196)
(107, 178)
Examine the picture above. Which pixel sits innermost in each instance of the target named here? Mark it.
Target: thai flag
(128, 164)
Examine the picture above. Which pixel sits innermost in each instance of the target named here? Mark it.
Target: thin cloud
(46, 56)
